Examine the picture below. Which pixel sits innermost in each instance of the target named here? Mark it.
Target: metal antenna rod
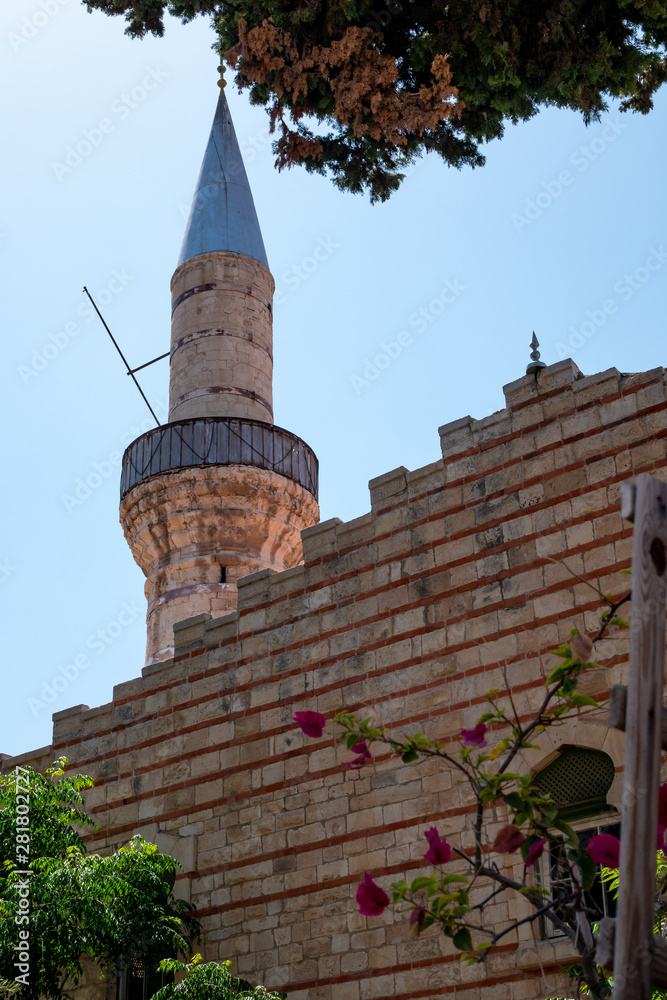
(147, 363)
(129, 370)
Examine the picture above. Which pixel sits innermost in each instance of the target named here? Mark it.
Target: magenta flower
(508, 840)
(474, 737)
(604, 849)
(439, 851)
(662, 816)
(371, 898)
(311, 723)
(363, 755)
(535, 852)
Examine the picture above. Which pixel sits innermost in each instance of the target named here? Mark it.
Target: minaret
(219, 492)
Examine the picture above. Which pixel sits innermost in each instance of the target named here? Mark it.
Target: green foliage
(79, 904)
(209, 981)
(56, 808)
(508, 58)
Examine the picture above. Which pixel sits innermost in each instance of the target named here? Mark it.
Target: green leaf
(462, 939)
(513, 800)
(409, 756)
(448, 879)
(588, 870)
(583, 699)
(423, 882)
(567, 830)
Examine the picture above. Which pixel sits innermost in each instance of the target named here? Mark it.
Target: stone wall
(410, 612)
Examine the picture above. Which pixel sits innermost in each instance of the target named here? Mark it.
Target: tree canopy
(209, 981)
(358, 89)
(59, 904)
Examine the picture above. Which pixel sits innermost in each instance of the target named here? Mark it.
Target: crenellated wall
(451, 585)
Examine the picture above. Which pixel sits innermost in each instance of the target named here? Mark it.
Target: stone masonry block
(552, 377)
(456, 436)
(189, 632)
(594, 387)
(321, 539)
(388, 489)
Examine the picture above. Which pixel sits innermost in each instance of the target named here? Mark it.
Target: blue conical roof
(223, 215)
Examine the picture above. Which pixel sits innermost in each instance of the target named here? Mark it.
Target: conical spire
(223, 215)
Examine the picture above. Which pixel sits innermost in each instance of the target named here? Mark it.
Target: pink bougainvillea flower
(417, 918)
(474, 737)
(363, 755)
(439, 851)
(604, 849)
(662, 805)
(508, 840)
(581, 647)
(311, 723)
(662, 816)
(535, 852)
(371, 898)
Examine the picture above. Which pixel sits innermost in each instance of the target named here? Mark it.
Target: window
(578, 782)
(138, 979)
(555, 877)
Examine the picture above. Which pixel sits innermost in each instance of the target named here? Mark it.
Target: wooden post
(618, 703)
(634, 922)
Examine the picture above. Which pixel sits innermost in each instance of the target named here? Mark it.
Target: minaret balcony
(219, 441)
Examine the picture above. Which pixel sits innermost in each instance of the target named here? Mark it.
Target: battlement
(453, 583)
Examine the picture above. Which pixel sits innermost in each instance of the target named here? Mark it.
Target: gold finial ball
(222, 83)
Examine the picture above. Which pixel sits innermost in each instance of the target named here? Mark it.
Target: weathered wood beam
(641, 774)
(604, 954)
(618, 699)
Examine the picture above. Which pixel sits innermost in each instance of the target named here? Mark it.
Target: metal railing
(219, 441)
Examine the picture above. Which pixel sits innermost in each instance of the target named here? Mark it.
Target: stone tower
(219, 492)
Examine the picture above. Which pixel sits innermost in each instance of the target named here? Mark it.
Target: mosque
(451, 582)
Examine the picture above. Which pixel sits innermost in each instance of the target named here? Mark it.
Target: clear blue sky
(556, 229)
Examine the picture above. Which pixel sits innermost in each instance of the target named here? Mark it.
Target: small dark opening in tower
(223, 574)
